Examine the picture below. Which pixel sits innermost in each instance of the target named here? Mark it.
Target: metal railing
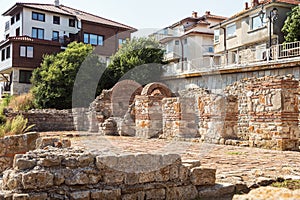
(233, 60)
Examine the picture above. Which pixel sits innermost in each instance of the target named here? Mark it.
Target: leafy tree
(53, 82)
(291, 28)
(138, 59)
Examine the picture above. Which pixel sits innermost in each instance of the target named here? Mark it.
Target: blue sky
(141, 14)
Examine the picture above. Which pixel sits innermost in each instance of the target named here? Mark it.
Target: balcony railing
(233, 60)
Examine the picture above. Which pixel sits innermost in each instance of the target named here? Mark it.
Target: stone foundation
(75, 174)
(12, 145)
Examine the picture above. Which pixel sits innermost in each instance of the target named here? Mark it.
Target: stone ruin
(255, 112)
(75, 174)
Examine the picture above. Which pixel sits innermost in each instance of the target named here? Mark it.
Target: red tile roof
(293, 2)
(296, 2)
(65, 10)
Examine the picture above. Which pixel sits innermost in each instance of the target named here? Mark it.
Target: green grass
(235, 153)
(290, 184)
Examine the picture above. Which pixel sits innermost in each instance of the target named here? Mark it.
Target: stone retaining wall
(48, 120)
(17, 144)
(75, 174)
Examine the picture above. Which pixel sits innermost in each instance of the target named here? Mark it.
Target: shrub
(23, 102)
(15, 126)
(4, 103)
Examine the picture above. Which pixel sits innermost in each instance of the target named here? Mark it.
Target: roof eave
(7, 13)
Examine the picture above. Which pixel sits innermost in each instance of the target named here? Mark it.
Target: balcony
(278, 54)
(171, 56)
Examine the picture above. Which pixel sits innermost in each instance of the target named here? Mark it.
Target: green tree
(291, 28)
(53, 81)
(138, 59)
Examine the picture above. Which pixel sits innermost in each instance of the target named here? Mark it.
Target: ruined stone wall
(217, 117)
(12, 145)
(74, 174)
(148, 116)
(274, 113)
(47, 120)
(179, 118)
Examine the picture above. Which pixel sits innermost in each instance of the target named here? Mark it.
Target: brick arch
(156, 89)
(123, 94)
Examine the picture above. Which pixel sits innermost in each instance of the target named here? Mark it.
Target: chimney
(56, 3)
(254, 3)
(207, 13)
(246, 6)
(194, 14)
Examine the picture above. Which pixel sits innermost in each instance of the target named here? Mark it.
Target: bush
(15, 126)
(21, 103)
(4, 103)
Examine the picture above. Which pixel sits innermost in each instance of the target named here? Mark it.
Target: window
(7, 26)
(217, 36)
(72, 22)
(7, 52)
(121, 42)
(26, 51)
(12, 20)
(38, 33)
(231, 30)
(7, 36)
(55, 35)
(38, 16)
(25, 76)
(93, 39)
(56, 20)
(17, 17)
(256, 23)
(176, 42)
(185, 41)
(18, 31)
(3, 54)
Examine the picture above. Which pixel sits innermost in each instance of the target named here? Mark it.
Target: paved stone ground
(242, 166)
(237, 165)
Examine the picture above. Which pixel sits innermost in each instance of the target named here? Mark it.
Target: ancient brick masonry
(179, 118)
(48, 120)
(148, 110)
(273, 110)
(75, 174)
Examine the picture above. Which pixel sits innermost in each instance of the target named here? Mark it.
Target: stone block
(131, 178)
(106, 162)
(114, 194)
(50, 161)
(146, 177)
(137, 196)
(218, 191)
(77, 178)
(184, 173)
(162, 174)
(23, 163)
(113, 177)
(21, 197)
(37, 180)
(80, 195)
(203, 176)
(182, 192)
(156, 194)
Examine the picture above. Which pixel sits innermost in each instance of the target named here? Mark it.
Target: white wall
(7, 63)
(48, 25)
(12, 28)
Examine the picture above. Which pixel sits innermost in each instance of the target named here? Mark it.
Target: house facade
(247, 36)
(188, 42)
(38, 29)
